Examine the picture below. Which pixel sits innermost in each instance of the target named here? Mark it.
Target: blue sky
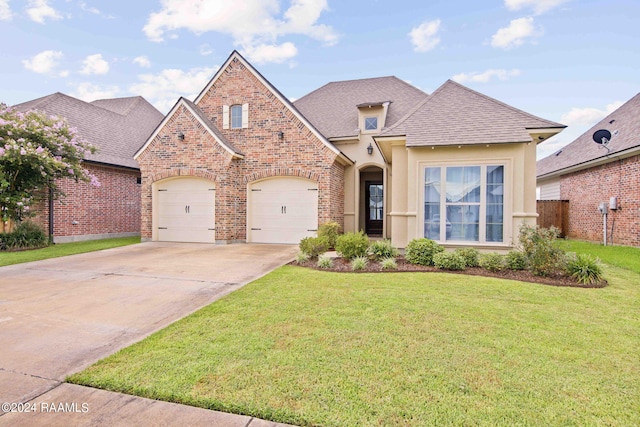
(571, 61)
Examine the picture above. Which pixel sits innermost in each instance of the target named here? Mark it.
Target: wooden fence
(554, 212)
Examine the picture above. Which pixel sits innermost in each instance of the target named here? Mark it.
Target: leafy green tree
(36, 150)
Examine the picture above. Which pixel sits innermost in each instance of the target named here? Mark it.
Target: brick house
(244, 164)
(587, 174)
(117, 127)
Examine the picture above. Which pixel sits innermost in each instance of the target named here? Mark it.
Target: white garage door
(282, 210)
(185, 210)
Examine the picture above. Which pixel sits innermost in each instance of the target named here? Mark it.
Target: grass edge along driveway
(64, 249)
(317, 348)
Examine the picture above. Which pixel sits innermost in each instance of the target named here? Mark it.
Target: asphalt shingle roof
(625, 120)
(117, 127)
(332, 108)
(457, 115)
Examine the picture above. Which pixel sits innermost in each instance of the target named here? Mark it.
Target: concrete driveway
(61, 315)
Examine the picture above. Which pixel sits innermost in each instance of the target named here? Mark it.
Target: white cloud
(205, 49)
(84, 6)
(515, 34)
(424, 37)
(538, 6)
(271, 53)
(5, 11)
(45, 62)
(484, 77)
(253, 24)
(90, 92)
(164, 89)
(142, 61)
(94, 64)
(39, 10)
(588, 116)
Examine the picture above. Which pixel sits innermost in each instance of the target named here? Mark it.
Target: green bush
(314, 246)
(27, 235)
(585, 269)
(449, 261)
(539, 245)
(301, 257)
(516, 260)
(388, 264)
(351, 245)
(421, 251)
(492, 262)
(359, 263)
(471, 256)
(331, 231)
(381, 249)
(325, 261)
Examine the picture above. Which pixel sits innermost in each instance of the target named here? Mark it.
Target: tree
(36, 150)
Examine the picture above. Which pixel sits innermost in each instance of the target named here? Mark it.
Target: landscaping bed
(344, 266)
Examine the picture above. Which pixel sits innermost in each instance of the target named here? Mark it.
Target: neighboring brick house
(243, 163)
(117, 127)
(587, 174)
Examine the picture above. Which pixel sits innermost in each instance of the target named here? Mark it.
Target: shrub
(329, 230)
(471, 256)
(325, 261)
(27, 235)
(351, 245)
(516, 260)
(388, 264)
(539, 246)
(421, 251)
(381, 249)
(492, 262)
(359, 263)
(585, 269)
(301, 257)
(314, 246)
(449, 261)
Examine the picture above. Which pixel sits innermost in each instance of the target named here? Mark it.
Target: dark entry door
(374, 207)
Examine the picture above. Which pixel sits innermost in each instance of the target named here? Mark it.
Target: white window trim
(506, 206)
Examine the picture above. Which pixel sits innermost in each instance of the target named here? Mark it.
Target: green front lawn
(317, 348)
(64, 249)
(621, 256)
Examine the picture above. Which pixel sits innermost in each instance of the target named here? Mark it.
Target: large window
(464, 203)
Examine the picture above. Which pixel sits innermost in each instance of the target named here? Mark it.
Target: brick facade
(587, 188)
(85, 210)
(299, 153)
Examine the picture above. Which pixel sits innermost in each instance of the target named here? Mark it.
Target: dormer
(372, 116)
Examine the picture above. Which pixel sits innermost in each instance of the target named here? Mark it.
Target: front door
(374, 210)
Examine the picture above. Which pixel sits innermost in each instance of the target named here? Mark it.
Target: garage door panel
(186, 211)
(283, 210)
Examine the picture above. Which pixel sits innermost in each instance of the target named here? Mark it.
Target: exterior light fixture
(181, 136)
(281, 135)
(370, 149)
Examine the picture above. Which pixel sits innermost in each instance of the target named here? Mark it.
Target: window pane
(432, 203)
(236, 116)
(463, 184)
(371, 123)
(495, 204)
(375, 201)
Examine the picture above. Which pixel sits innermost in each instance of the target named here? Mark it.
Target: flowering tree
(35, 151)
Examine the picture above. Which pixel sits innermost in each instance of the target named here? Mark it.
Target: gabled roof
(457, 115)
(116, 127)
(235, 55)
(204, 121)
(625, 120)
(333, 108)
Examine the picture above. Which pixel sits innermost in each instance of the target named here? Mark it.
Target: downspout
(50, 214)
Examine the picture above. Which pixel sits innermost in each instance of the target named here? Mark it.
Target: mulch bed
(344, 266)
